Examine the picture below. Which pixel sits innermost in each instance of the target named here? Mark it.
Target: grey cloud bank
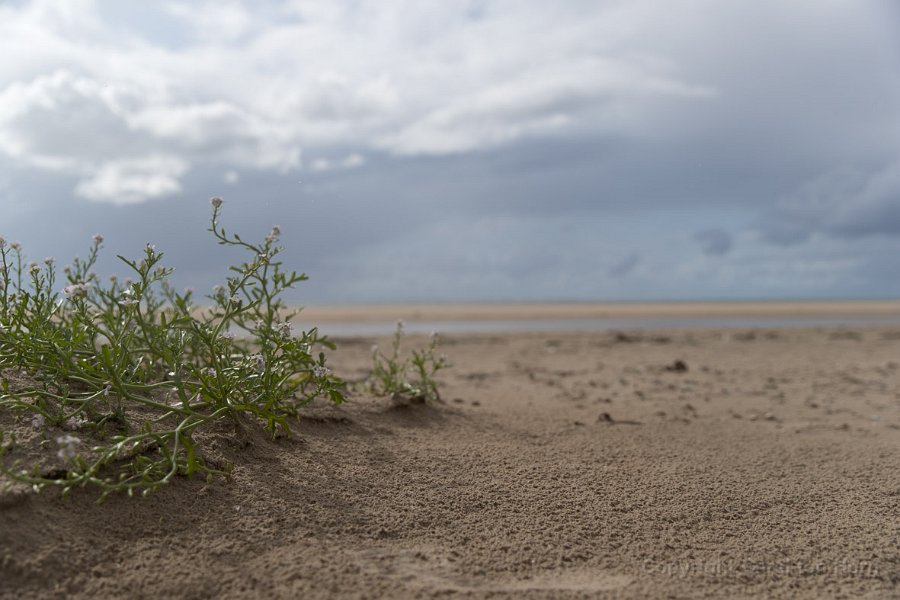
(490, 150)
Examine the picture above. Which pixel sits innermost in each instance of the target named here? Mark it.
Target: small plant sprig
(411, 377)
(138, 370)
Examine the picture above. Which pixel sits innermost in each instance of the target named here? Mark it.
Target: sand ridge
(575, 465)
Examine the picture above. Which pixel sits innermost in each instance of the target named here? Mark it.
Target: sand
(680, 464)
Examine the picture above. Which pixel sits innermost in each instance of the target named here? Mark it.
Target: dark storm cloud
(625, 266)
(715, 242)
(846, 203)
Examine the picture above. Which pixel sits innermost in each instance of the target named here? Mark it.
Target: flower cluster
(68, 447)
(76, 290)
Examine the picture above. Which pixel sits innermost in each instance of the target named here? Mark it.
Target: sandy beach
(652, 464)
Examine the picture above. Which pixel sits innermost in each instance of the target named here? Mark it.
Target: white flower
(286, 328)
(74, 423)
(16, 246)
(33, 267)
(274, 234)
(68, 447)
(76, 290)
(38, 421)
(98, 239)
(319, 371)
(260, 362)
(215, 201)
(49, 261)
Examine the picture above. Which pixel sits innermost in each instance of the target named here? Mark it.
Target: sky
(465, 150)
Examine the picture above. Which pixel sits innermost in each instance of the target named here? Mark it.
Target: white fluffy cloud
(77, 125)
(592, 92)
(133, 180)
(253, 86)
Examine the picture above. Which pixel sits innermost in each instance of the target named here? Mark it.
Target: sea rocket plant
(138, 370)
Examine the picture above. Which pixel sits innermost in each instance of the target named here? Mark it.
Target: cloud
(249, 89)
(875, 208)
(518, 146)
(220, 131)
(215, 22)
(351, 161)
(132, 181)
(715, 242)
(592, 92)
(61, 121)
(77, 125)
(843, 202)
(625, 265)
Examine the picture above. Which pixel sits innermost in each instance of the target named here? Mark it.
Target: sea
(377, 328)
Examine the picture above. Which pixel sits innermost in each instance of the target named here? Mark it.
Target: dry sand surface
(684, 464)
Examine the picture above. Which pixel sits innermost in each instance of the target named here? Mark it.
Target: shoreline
(573, 311)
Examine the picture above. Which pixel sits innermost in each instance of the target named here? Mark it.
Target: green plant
(411, 377)
(133, 370)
